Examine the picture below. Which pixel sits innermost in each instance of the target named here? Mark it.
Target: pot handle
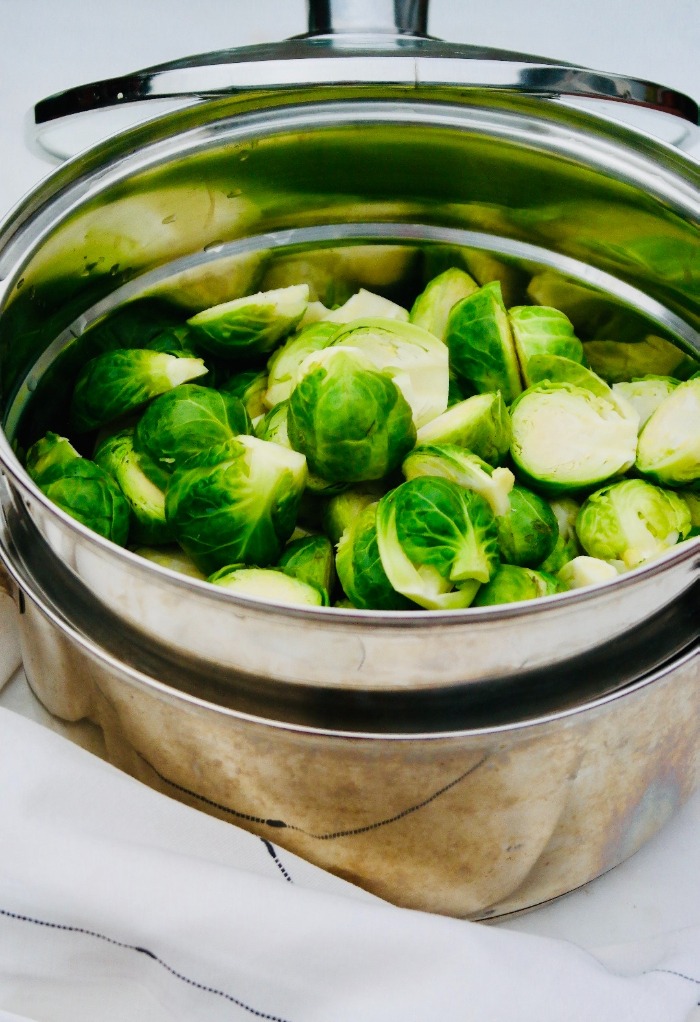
(335, 52)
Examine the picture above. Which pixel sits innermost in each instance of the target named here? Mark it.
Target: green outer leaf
(481, 345)
(528, 533)
(350, 421)
(512, 584)
(47, 459)
(87, 493)
(310, 559)
(360, 569)
(187, 421)
(118, 382)
(241, 510)
(431, 309)
(480, 423)
(542, 330)
(116, 455)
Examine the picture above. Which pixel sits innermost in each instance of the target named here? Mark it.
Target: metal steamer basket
(472, 762)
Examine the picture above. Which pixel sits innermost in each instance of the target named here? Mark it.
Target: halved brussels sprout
(366, 305)
(310, 559)
(89, 494)
(586, 571)
(431, 309)
(528, 531)
(173, 558)
(122, 381)
(250, 325)
(47, 459)
(480, 423)
(567, 545)
(284, 364)
(435, 537)
(360, 569)
(645, 394)
(116, 455)
(240, 510)
(351, 421)
(669, 445)
(568, 438)
(542, 330)
(414, 358)
(341, 509)
(632, 521)
(617, 361)
(481, 345)
(187, 421)
(464, 468)
(512, 583)
(269, 584)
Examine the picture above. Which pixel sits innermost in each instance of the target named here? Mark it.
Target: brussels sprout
(310, 559)
(240, 510)
(669, 444)
(528, 533)
(116, 455)
(187, 421)
(273, 427)
(542, 330)
(632, 521)
(432, 307)
(350, 421)
(693, 502)
(414, 358)
(284, 363)
(118, 382)
(268, 584)
(464, 468)
(341, 509)
(557, 369)
(617, 361)
(249, 387)
(646, 394)
(480, 343)
(366, 305)
(586, 571)
(360, 569)
(434, 536)
(480, 423)
(47, 459)
(567, 438)
(87, 493)
(172, 558)
(511, 584)
(250, 325)
(567, 545)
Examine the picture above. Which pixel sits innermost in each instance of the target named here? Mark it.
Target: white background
(50, 45)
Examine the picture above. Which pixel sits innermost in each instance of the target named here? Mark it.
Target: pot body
(480, 823)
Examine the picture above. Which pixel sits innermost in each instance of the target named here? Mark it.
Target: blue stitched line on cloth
(273, 852)
(143, 951)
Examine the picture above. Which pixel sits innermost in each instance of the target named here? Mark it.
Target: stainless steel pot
(376, 734)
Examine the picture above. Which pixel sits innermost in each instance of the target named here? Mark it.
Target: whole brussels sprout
(528, 532)
(632, 521)
(47, 459)
(512, 583)
(310, 559)
(89, 494)
(186, 421)
(351, 422)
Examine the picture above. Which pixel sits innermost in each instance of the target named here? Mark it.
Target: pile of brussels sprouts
(458, 454)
